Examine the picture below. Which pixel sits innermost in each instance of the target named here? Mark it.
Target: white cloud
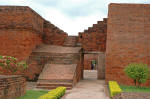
(72, 16)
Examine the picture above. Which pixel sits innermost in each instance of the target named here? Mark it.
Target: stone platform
(61, 65)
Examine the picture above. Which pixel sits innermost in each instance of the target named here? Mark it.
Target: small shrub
(114, 88)
(138, 72)
(54, 94)
(9, 64)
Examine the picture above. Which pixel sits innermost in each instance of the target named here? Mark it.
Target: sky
(72, 16)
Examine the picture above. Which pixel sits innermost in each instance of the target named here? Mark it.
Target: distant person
(92, 66)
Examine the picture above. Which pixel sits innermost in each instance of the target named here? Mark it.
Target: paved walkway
(89, 88)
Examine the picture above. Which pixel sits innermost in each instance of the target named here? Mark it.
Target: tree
(138, 72)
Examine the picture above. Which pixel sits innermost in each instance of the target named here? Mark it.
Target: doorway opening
(90, 66)
(94, 65)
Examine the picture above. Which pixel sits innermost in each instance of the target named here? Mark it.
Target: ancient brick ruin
(56, 59)
(22, 30)
(12, 87)
(128, 39)
(27, 36)
(93, 40)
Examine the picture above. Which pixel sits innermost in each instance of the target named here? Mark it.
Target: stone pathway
(89, 88)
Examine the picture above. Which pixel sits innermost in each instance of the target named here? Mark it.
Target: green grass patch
(134, 89)
(33, 94)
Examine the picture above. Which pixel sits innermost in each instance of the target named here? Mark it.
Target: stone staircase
(60, 68)
(55, 75)
(70, 41)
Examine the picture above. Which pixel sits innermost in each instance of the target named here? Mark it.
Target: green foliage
(134, 89)
(9, 64)
(33, 94)
(114, 88)
(138, 72)
(54, 94)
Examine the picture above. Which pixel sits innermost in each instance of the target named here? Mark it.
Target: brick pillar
(101, 66)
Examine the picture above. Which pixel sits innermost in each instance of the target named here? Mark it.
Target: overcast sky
(72, 16)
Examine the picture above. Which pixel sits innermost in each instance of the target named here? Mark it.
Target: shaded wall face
(94, 38)
(128, 39)
(93, 41)
(53, 35)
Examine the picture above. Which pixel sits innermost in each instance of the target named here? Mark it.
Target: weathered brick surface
(128, 39)
(47, 54)
(53, 35)
(62, 65)
(94, 39)
(22, 30)
(20, 17)
(18, 43)
(132, 95)
(70, 41)
(12, 87)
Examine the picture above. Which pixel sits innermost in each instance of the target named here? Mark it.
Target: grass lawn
(33, 94)
(134, 89)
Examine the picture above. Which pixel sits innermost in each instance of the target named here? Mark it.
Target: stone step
(55, 84)
(54, 81)
(52, 87)
(70, 41)
(57, 73)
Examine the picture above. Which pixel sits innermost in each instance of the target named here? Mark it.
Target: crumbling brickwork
(20, 17)
(53, 35)
(18, 43)
(20, 29)
(12, 87)
(94, 39)
(128, 39)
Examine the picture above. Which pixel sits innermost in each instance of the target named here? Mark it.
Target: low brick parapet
(12, 86)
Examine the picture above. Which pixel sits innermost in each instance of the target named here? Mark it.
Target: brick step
(70, 45)
(57, 73)
(70, 41)
(55, 81)
(55, 84)
(52, 87)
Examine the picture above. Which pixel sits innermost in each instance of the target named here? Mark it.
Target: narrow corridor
(89, 88)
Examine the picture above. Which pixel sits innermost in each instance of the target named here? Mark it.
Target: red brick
(128, 39)
(94, 39)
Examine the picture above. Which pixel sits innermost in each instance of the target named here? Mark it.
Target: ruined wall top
(20, 17)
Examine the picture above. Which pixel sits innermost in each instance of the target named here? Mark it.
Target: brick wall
(22, 30)
(87, 60)
(20, 17)
(12, 87)
(128, 39)
(94, 39)
(19, 30)
(18, 43)
(53, 35)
